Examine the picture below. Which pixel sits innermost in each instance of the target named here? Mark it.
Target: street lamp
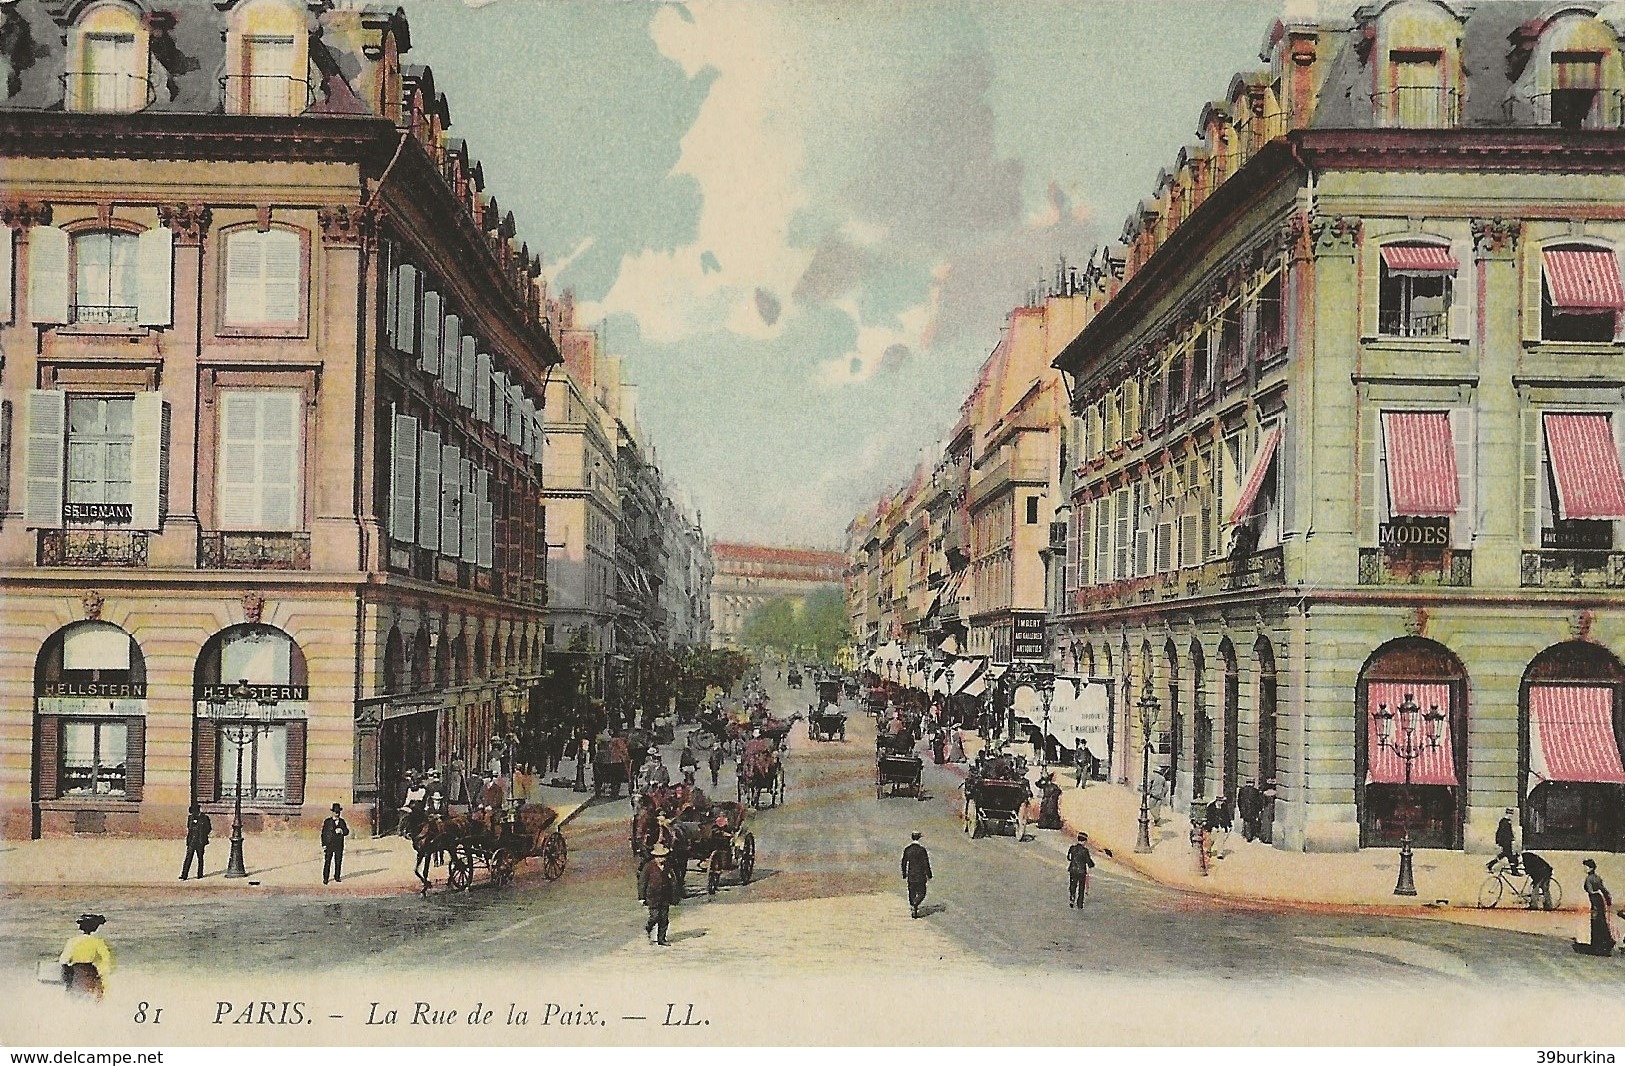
(243, 712)
(1416, 733)
(1150, 709)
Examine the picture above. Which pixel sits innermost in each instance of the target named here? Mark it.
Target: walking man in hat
(916, 871)
(655, 889)
(198, 828)
(1078, 864)
(334, 830)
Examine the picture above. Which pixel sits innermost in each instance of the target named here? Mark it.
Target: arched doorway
(90, 706)
(1202, 724)
(421, 678)
(1571, 766)
(272, 759)
(1089, 660)
(394, 662)
(1231, 782)
(1433, 807)
(1268, 734)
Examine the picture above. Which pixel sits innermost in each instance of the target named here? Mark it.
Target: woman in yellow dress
(87, 960)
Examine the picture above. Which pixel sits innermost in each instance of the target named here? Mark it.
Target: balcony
(253, 551)
(1446, 569)
(1418, 107)
(266, 94)
(1404, 324)
(112, 92)
(104, 315)
(1572, 569)
(92, 547)
(1008, 471)
(1261, 570)
(1570, 109)
(1258, 570)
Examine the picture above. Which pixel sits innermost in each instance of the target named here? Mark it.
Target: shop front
(1409, 778)
(1572, 780)
(258, 757)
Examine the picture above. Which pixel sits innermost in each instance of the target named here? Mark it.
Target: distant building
(750, 575)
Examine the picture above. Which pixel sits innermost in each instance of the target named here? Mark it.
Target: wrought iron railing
(1448, 569)
(92, 547)
(1572, 569)
(1404, 324)
(266, 94)
(105, 314)
(114, 92)
(254, 551)
(1418, 107)
(1573, 109)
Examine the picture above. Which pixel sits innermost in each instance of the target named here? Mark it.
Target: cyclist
(1540, 880)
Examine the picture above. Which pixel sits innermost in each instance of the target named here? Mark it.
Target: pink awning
(1582, 280)
(1571, 734)
(1434, 766)
(1585, 466)
(1256, 473)
(1421, 453)
(1419, 259)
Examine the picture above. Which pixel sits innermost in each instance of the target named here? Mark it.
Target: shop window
(265, 762)
(265, 278)
(94, 757)
(1415, 290)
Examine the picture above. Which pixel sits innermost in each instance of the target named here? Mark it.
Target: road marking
(514, 928)
(1408, 952)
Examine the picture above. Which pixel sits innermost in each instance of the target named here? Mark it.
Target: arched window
(1416, 289)
(108, 64)
(1230, 782)
(251, 746)
(1582, 296)
(1570, 759)
(90, 681)
(106, 277)
(1201, 725)
(395, 665)
(265, 278)
(1424, 794)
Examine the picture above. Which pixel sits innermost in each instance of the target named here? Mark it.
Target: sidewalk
(281, 862)
(1447, 882)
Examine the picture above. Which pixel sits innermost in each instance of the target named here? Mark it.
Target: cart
(897, 771)
(521, 832)
(996, 805)
(827, 723)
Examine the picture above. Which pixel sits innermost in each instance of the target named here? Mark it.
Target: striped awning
(1256, 473)
(1585, 466)
(1583, 280)
(1419, 259)
(1571, 734)
(969, 677)
(1420, 451)
(1434, 766)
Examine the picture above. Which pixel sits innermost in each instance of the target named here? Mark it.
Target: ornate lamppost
(1150, 709)
(1416, 733)
(242, 713)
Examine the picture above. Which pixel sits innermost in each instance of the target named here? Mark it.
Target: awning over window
(1585, 466)
(1434, 766)
(1583, 280)
(969, 677)
(1255, 474)
(1421, 462)
(1571, 734)
(1419, 259)
(942, 679)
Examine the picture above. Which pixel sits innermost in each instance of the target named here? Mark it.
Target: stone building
(748, 576)
(273, 366)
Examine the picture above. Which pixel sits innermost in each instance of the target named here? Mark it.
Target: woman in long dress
(956, 745)
(1602, 934)
(87, 960)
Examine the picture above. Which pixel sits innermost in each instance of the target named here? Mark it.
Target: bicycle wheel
(1489, 893)
(1556, 893)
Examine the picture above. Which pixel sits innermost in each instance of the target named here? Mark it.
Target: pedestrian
(1540, 880)
(688, 763)
(916, 871)
(334, 830)
(654, 889)
(1049, 802)
(1505, 839)
(1266, 811)
(1078, 864)
(1219, 821)
(715, 761)
(956, 745)
(198, 828)
(1083, 764)
(87, 960)
(1249, 804)
(583, 746)
(1158, 790)
(1199, 840)
(1602, 933)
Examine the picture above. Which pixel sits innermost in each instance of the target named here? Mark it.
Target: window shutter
(47, 275)
(406, 308)
(236, 489)
(155, 270)
(429, 491)
(1370, 288)
(8, 273)
(429, 353)
(43, 472)
(1190, 541)
(499, 402)
(470, 515)
(516, 406)
(294, 782)
(1532, 286)
(451, 500)
(483, 530)
(1286, 480)
(135, 757)
(482, 387)
(466, 366)
(451, 350)
(245, 277)
(284, 275)
(1103, 541)
(1533, 469)
(50, 754)
(392, 292)
(206, 756)
(1370, 466)
(149, 461)
(1463, 430)
(1463, 293)
(403, 479)
(280, 474)
(1165, 547)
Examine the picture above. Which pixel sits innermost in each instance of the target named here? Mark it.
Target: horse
(439, 837)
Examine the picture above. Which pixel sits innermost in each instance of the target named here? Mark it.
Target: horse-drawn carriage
(897, 767)
(827, 723)
(793, 679)
(761, 773)
(494, 841)
(996, 796)
(714, 834)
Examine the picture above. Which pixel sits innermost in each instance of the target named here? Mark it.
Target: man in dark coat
(714, 760)
(198, 828)
(654, 889)
(1078, 864)
(916, 871)
(1504, 840)
(334, 830)
(1249, 804)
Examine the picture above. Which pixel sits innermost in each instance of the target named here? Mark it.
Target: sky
(802, 223)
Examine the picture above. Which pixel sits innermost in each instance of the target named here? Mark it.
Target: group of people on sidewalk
(335, 831)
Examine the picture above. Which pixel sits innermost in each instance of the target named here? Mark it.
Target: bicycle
(1522, 887)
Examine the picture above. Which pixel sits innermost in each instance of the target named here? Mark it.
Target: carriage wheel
(880, 785)
(502, 863)
(747, 860)
(555, 855)
(460, 875)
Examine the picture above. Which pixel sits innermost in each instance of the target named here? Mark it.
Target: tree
(814, 629)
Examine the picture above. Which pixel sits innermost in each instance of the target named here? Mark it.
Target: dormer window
(1577, 98)
(1420, 99)
(108, 68)
(268, 61)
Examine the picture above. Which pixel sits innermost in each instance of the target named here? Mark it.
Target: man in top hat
(198, 828)
(1506, 838)
(655, 774)
(916, 871)
(1078, 864)
(334, 830)
(87, 960)
(655, 889)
